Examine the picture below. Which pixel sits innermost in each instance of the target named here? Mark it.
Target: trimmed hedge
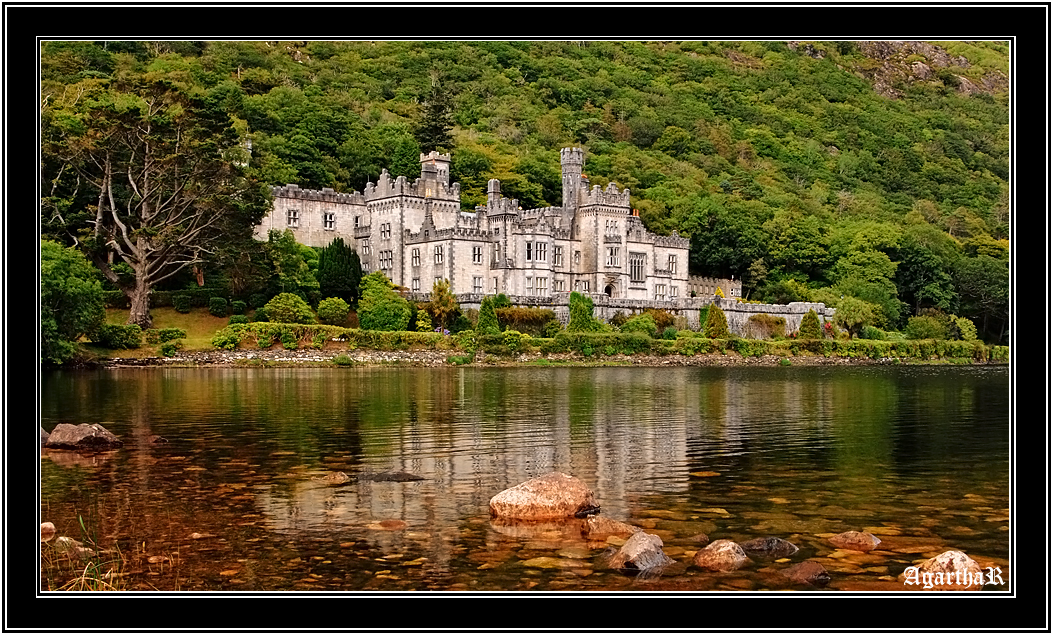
(160, 336)
(217, 307)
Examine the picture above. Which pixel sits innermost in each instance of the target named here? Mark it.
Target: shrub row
(198, 297)
(160, 336)
(118, 336)
(291, 336)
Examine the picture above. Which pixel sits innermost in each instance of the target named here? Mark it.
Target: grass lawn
(199, 324)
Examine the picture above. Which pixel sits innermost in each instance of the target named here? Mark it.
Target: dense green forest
(874, 180)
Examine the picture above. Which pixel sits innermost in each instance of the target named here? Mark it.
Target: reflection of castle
(416, 234)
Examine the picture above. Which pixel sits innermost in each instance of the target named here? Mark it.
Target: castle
(416, 233)
(594, 243)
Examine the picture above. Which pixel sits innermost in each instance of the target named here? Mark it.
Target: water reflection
(731, 452)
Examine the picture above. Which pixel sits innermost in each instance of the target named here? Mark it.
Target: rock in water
(90, 437)
(855, 540)
(807, 572)
(47, 532)
(43, 436)
(399, 477)
(641, 552)
(601, 527)
(721, 555)
(335, 478)
(554, 495)
(769, 547)
(949, 571)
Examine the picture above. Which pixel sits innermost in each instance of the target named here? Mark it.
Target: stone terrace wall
(605, 307)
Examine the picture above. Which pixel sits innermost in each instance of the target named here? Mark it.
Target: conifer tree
(433, 129)
(488, 324)
(810, 328)
(339, 271)
(716, 324)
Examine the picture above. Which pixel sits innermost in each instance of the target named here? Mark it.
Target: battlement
(434, 156)
(386, 187)
(325, 195)
(574, 156)
(611, 196)
(671, 241)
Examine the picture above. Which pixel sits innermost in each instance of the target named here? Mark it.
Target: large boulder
(554, 495)
(949, 571)
(86, 437)
(855, 540)
(807, 572)
(769, 548)
(43, 436)
(721, 555)
(641, 552)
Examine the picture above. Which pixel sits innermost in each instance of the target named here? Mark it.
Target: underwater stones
(807, 572)
(770, 547)
(855, 540)
(641, 552)
(720, 555)
(335, 478)
(86, 437)
(551, 496)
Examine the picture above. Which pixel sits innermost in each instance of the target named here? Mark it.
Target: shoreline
(282, 358)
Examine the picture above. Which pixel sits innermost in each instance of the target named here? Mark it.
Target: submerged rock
(86, 437)
(641, 552)
(807, 572)
(855, 540)
(334, 478)
(398, 477)
(721, 555)
(770, 547)
(47, 532)
(601, 527)
(554, 495)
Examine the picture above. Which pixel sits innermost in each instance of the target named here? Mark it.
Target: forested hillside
(871, 176)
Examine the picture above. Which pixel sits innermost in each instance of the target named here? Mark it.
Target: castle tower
(571, 160)
(436, 167)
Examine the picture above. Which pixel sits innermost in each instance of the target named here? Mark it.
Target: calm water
(918, 455)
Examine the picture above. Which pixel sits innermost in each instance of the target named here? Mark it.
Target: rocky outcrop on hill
(897, 65)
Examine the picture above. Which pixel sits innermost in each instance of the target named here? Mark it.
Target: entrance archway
(609, 290)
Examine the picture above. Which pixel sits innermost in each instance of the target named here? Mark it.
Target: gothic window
(529, 251)
(385, 231)
(541, 252)
(612, 256)
(636, 267)
(557, 284)
(416, 284)
(416, 257)
(577, 258)
(674, 293)
(477, 255)
(529, 286)
(659, 292)
(541, 286)
(356, 221)
(329, 220)
(477, 284)
(557, 256)
(497, 253)
(293, 218)
(438, 254)
(672, 264)
(495, 286)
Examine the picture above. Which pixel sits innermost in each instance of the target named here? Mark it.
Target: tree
(381, 308)
(433, 128)
(339, 271)
(292, 274)
(333, 311)
(810, 328)
(70, 301)
(488, 324)
(444, 305)
(164, 168)
(289, 308)
(716, 324)
(581, 319)
(853, 314)
(983, 285)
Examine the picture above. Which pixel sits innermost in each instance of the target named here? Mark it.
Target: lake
(232, 497)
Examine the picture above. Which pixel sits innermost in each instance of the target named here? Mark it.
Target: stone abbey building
(416, 233)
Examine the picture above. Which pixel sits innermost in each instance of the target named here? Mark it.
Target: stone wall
(605, 307)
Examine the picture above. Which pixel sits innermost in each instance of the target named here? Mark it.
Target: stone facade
(416, 233)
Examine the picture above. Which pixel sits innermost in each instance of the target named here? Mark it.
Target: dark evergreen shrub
(289, 308)
(238, 307)
(181, 303)
(257, 300)
(669, 333)
(642, 323)
(261, 315)
(169, 349)
(488, 324)
(810, 328)
(217, 307)
(716, 323)
(239, 319)
(333, 311)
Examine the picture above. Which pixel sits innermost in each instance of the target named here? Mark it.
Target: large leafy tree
(70, 301)
(144, 168)
(381, 308)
